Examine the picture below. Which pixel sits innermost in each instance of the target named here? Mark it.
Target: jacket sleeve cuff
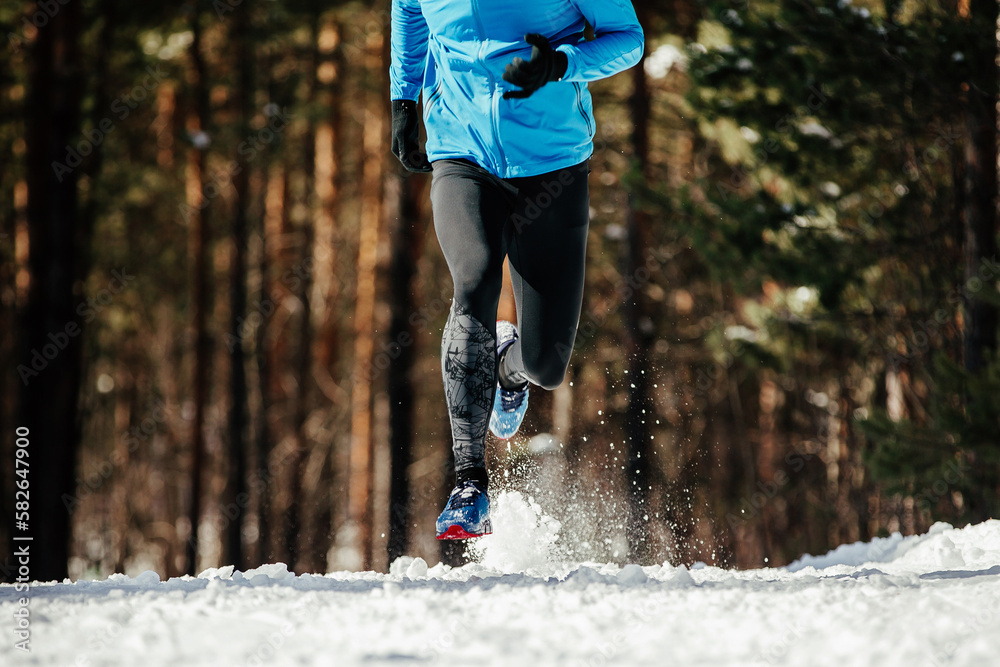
(403, 90)
(572, 61)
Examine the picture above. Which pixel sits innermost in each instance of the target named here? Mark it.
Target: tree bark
(980, 217)
(198, 221)
(638, 474)
(58, 244)
(274, 206)
(980, 224)
(406, 235)
(330, 148)
(303, 359)
(359, 499)
(236, 496)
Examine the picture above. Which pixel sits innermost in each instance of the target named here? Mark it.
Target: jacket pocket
(452, 58)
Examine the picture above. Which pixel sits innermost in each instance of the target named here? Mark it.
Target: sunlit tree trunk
(768, 399)
(330, 149)
(359, 499)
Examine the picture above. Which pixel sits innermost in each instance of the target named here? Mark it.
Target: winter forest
(222, 297)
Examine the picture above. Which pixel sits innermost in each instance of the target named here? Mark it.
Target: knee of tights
(547, 374)
(479, 304)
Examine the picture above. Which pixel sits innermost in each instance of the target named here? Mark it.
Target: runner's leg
(547, 248)
(470, 208)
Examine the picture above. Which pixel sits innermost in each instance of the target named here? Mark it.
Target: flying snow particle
(814, 129)
(662, 60)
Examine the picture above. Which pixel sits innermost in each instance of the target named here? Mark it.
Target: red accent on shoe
(456, 532)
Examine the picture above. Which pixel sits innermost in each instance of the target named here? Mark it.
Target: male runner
(509, 135)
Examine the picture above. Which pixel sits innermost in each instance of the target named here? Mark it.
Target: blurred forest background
(222, 298)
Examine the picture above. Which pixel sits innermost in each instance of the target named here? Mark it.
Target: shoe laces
(464, 495)
(511, 399)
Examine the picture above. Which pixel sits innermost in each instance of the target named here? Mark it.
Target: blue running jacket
(456, 52)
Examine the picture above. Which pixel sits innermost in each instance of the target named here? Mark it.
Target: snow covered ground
(929, 600)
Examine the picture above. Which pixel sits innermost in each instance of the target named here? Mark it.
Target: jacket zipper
(579, 105)
(433, 97)
(494, 100)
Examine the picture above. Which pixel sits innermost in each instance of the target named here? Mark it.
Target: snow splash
(524, 538)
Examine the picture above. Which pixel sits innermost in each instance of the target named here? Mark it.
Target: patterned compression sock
(468, 363)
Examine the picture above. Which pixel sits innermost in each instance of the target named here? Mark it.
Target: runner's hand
(405, 136)
(546, 65)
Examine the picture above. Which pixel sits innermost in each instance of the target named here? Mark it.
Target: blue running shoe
(466, 515)
(509, 405)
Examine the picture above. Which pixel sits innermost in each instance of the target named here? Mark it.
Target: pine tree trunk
(405, 235)
(237, 478)
(638, 474)
(58, 244)
(326, 288)
(360, 484)
(198, 222)
(274, 206)
(980, 218)
(980, 224)
(330, 149)
(303, 358)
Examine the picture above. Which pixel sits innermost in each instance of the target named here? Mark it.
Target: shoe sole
(456, 532)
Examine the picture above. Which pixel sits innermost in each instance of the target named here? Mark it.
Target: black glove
(405, 136)
(546, 65)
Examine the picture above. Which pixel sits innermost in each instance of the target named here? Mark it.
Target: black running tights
(538, 222)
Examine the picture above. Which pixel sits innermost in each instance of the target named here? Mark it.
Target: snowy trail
(927, 600)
